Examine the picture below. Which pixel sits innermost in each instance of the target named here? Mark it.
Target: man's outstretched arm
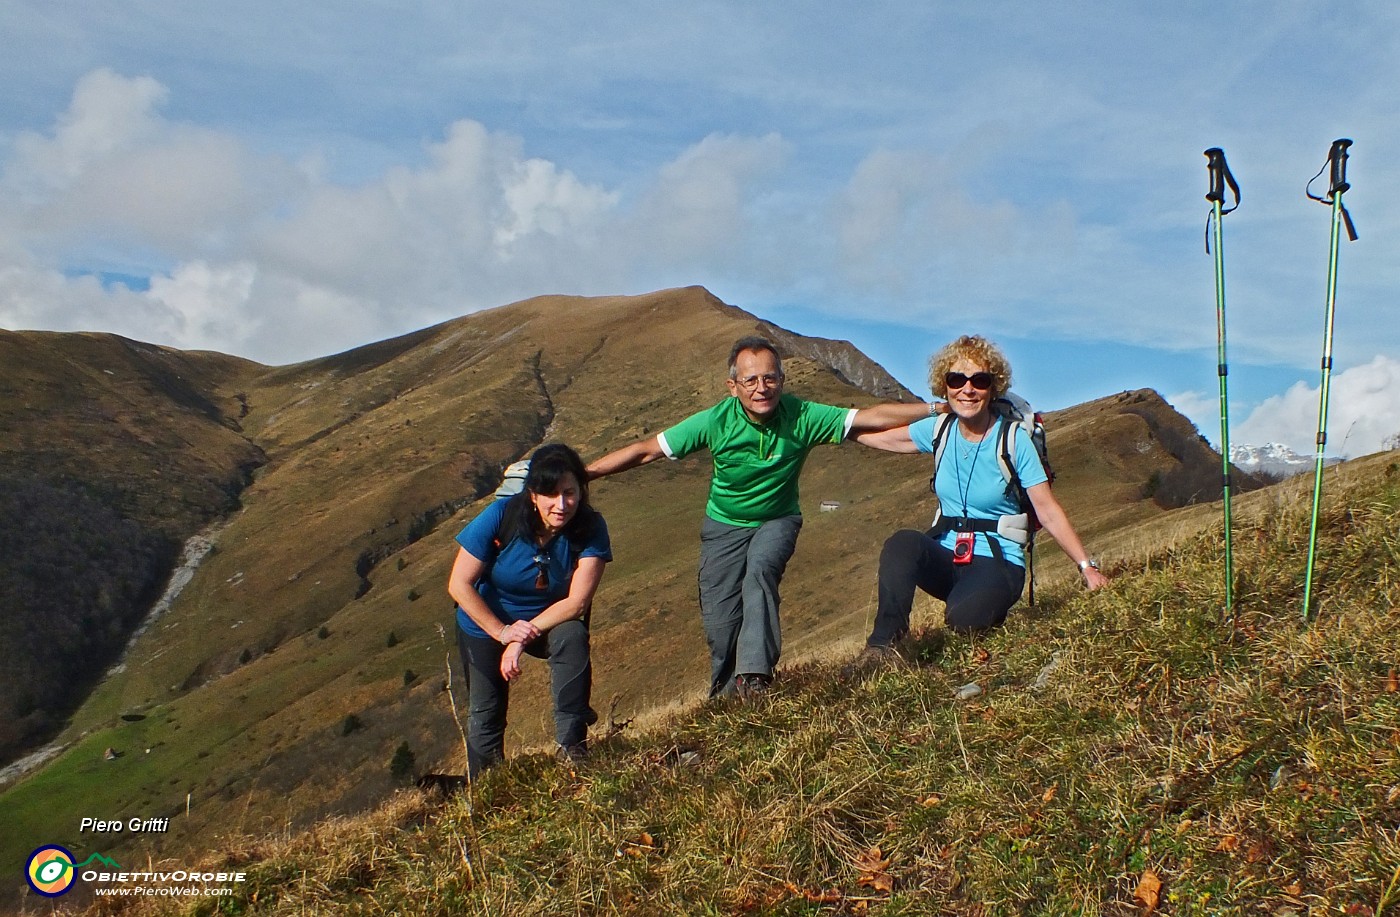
(888, 416)
(639, 453)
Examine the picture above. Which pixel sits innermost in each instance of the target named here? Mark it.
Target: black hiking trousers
(570, 677)
(978, 595)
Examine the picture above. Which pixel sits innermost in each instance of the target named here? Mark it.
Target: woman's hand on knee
(510, 661)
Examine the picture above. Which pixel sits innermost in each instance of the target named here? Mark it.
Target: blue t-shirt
(970, 484)
(508, 583)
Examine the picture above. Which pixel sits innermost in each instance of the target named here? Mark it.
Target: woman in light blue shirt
(968, 559)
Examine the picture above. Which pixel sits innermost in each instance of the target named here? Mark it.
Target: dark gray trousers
(740, 569)
(570, 679)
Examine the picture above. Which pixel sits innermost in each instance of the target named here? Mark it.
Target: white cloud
(700, 210)
(540, 200)
(114, 175)
(476, 226)
(108, 114)
(211, 303)
(1363, 412)
(908, 225)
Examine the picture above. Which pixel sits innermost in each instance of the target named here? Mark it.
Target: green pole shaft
(1223, 372)
(1322, 402)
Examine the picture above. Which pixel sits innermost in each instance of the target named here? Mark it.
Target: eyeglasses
(749, 383)
(542, 572)
(980, 381)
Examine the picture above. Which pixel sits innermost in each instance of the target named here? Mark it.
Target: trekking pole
(1219, 177)
(1337, 159)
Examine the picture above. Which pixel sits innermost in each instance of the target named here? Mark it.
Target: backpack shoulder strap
(1008, 414)
(940, 438)
(1006, 450)
(940, 443)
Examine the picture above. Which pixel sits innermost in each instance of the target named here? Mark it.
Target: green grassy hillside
(1129, 752)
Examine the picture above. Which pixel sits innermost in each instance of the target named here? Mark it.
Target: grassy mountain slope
(1129, 753)
(324, 598)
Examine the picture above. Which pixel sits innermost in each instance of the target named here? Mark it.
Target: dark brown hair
(548, 467)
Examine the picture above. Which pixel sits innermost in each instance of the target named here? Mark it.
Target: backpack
(514, 481)
(1015, 413)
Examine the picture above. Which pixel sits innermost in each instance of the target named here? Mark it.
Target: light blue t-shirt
(508, 584)
(970, 484)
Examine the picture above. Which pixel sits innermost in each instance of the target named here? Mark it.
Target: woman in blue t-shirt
(977, 571)
(523, 582)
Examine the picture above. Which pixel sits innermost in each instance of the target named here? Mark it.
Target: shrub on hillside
(401, 765)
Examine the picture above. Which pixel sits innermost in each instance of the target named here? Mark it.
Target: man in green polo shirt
(759, 439)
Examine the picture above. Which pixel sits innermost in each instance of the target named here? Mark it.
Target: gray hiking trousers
(740, 569)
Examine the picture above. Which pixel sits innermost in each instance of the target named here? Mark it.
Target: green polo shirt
(756, 465)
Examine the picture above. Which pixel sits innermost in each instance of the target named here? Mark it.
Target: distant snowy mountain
(1273, 459)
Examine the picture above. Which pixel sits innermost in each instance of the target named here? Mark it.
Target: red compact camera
(963, 547)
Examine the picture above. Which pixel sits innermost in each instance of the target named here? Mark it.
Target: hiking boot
(572, 755)
(753, 687)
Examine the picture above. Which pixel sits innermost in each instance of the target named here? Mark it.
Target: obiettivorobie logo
(51, 870)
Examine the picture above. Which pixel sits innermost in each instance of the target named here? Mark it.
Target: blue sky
(285, 181)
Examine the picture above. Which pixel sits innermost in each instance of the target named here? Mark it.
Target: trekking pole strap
(1337, 182)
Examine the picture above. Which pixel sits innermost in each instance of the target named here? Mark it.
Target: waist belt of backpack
(962, 524)
(1014, 528)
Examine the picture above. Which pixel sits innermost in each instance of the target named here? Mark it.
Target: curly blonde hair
(975, 349)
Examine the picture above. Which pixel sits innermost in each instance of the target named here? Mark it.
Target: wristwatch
(1087, 563)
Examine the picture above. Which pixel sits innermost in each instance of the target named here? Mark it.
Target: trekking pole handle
(1337, 160)
(1220, 177)
(1337, 156)
(1215, 157)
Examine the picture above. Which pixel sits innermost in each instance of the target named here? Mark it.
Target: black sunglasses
(542, 572)
(980, 381)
